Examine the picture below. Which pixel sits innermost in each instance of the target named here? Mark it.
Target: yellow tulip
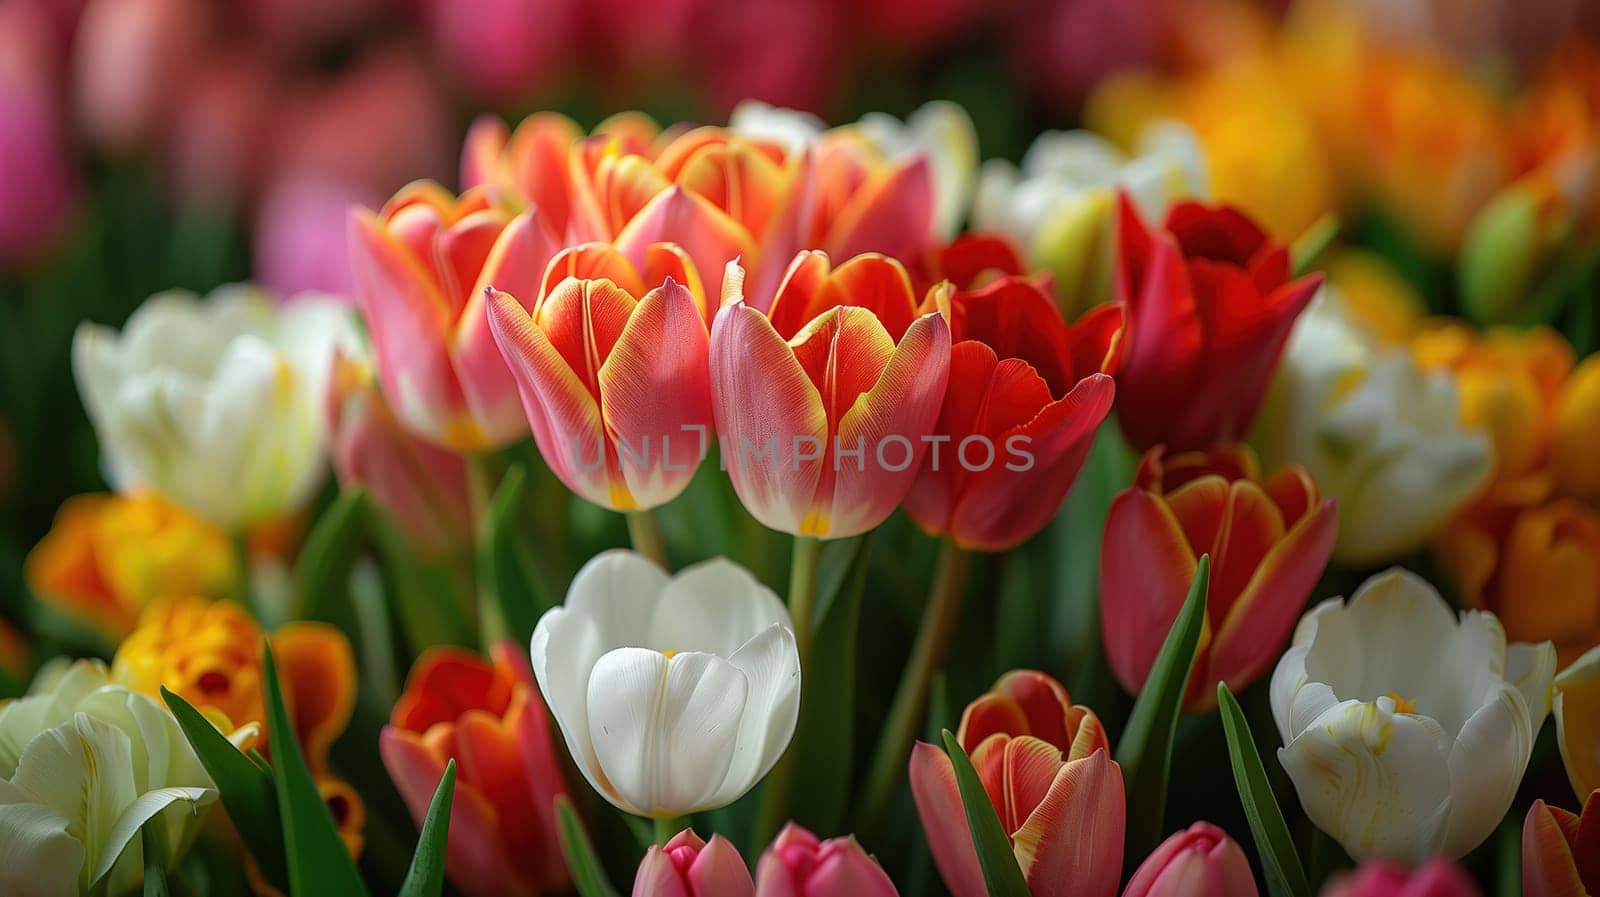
(1577, 711)
(1577, 432)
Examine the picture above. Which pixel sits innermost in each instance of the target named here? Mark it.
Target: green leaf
(316, 856)
(587, 875)
(1001, 874)
(1279, 861)
(155, 856)
(426, 878)
(322, 571)
(246, 789)
(1145, 751)
(506, 566)
(1309, 246)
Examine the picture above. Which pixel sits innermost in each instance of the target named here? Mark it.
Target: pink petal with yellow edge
(889, 421)
(763, 401)
(589, 261)
(655, 394)
(564, 416)
(583, 319)
(738, 179)
(1072, 843)
(1031, 766)
(785, 234)
(480, 151)
(944, 821)
(1251, 634)
(804, 293)
(664, 260)
(625, 185)
(1251, 525)
(705, 232)
(474, 860)
(1146, 566)
(893, 215)
(879, 284)
(1549, 868)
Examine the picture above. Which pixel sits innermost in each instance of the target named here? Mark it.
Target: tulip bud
(1200, 862)
(686, 866)
(1561, 850)
(1435, 878)
(796, 864)
(1576, 706)
(1509, 244)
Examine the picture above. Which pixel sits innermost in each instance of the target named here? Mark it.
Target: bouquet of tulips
(782, 509)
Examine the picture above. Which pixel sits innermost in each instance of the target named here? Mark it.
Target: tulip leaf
(1309, 246)
(426, 878)
(1145, 751)
(246, 788)
(1279, 861)
(515, 594)
(322, 571)
(316, 856)
(1001, 874)
(587, 875)
(155, 856)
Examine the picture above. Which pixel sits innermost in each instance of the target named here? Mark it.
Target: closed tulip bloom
(215, 403)
(675, 694)
(1269, 539)
(1026, 396)
(1201, 861)
(1210, 306)
(1577, 431)
(1576, 706)
(487, 716)
(797, 864)
(1438, 877)
(1561, 850)
(1047, 766)
(614, 379)
(422, 265)
(687, 866)
(823, 403)
(1403, 753)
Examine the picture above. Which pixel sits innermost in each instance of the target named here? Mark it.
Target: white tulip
(675, 694)
(1381, 437)
(216, 404)
(84, 763)
(1406, 729)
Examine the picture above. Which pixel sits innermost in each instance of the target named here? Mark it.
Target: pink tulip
(1377, 878)
(690, 867)
(37, 180)
(796, 864)
(823, 404)
(131, 56)
(1199, 862)
(504, 48)
(218, 147)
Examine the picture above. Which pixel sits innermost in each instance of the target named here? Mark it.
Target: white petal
(664, 730)
(715, 607)
(1391, 615)
(1377, 781)
(771, 665)
(618, 590)
(1486, 766)
(1323, 656)
(82, 770)
(563, 652)
(1531, 669)
(136, 814)
(38, 858)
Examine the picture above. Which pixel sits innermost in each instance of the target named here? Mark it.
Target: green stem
(803, 592)
(666, 828)
(482, 604)
(939, 622)
(243, 589)
(644, 531)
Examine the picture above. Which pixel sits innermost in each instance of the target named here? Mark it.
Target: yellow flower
(1577, 432)
(1577, 711)
(1374, 296)
(107, 556)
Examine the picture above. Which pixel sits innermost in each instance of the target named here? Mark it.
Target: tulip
(1403, 753)
(36, 172)
(1023, 384)
(502, 49)
(128, 58)
(1513, 238)
(613, 379)
(490, 719)
(107, 556)
(686, 866)
(214, 404)
(1210, 306)
(1199, 862)
(1047, 766)
(422, 487)
(1059, 206)
(1561, 850)
(1577, 431)
(823, 403)
(83, 764)
(1381, 438)
(1269, 540)
(1576, 707)
(1436, 878)
(969, 262)
(675, 694)
(797, 864)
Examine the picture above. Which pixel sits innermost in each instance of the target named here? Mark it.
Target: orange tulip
(1561, 850)
(15, 658)
(824, 403)
(1269, 540)
(1047, 766)
(490, 719)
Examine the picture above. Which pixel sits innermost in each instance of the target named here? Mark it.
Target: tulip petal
(37, 853)
(1146, 567)
(712, 607)
(318, 669)
(1577, 712)
(1548, 866)
(893, 215)
(771, 665)
(720, 870)
(1072, 843)
(658, 876)
(679, 216)
(1486, 765)
(944, 821)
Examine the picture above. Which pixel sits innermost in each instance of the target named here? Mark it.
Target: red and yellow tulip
(823, 403)
(1026, 395)
(1561, 850)
(1269, 540)
(1047, 767)
(489, 718)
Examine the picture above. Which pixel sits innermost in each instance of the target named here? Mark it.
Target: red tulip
(1561, 850)
(970, 261)
(1210, 305)
(1026, 395)
(823, 404)
(490, 720)
(1269, 541)
(689, 867)
(1048, 769)
(796, 864)
(1199, 862)
(1378, 878)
